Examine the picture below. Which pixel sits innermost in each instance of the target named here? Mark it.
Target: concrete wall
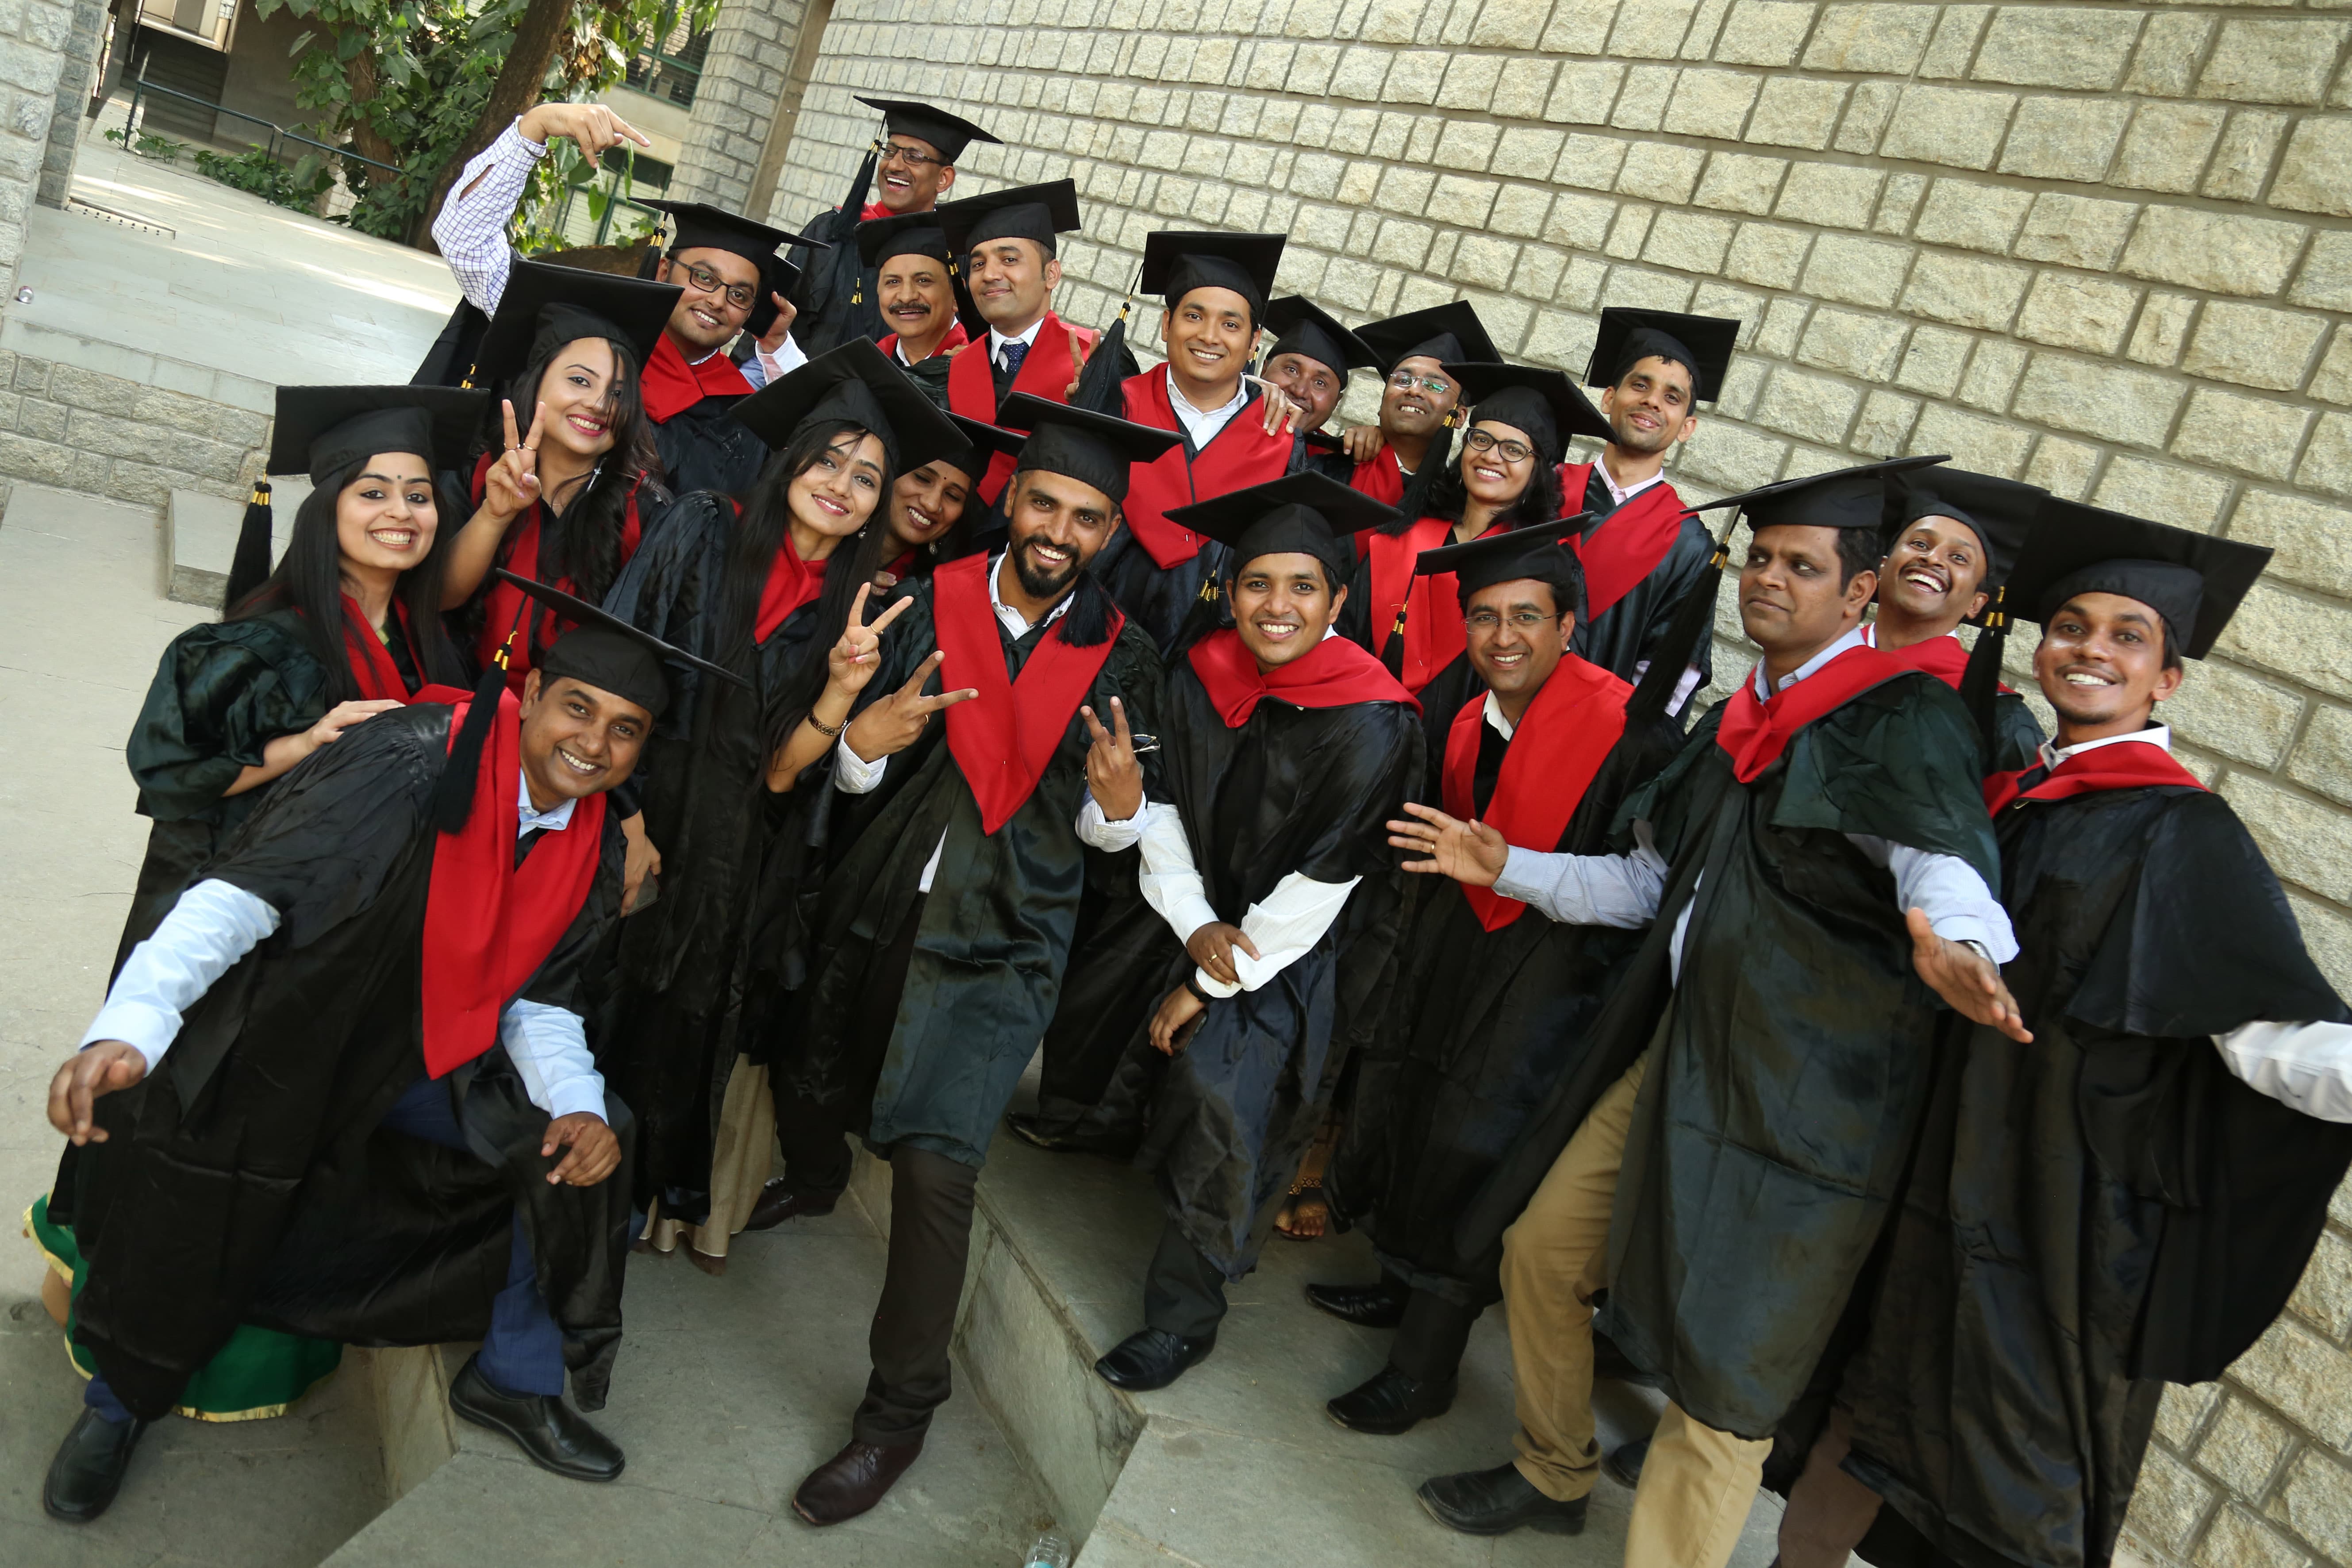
(2104, 248)
(46, 47)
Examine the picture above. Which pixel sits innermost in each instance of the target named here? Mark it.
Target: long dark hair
(309, 580)
(1540, 502)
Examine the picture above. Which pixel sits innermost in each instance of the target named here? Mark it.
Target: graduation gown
(701, 446)
(1639, 561)
(1382, 479)
(245, 1180)
(976, 390)
(2017, 735)
(1488, 1016)
(1289, 788)
(994, 931)
(2108, 1208)
(496, 607)
(696, 989)
(840, 298)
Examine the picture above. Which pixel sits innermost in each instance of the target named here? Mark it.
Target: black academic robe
(839, 295)
(246, 1181)
(994, 933)
(1620, 638)
(1481, 1024)
(1303, 790)
(706, 448)
(2103, 1210)
(705, 965)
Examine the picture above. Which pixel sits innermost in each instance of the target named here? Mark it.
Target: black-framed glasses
(1513, 451)
(1405, 381)
(705, 281)
(1521, 620)
(907, 155)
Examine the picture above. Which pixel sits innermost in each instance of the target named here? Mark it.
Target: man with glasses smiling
(1418, 396)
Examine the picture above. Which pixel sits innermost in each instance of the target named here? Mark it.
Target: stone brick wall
(77, 429)
(744, 78)
(77, 72)
(36, 37)
(2103, 248)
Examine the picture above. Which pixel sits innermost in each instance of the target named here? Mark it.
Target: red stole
(371, 667)
(1755, 733)
(503, 603)
(1045, 373)
(956, 337)
(1003, 738)
(1238, 457)
(671, 386)
(2128, 764)
(1332, 674)
(488, 924)
(872, 210)
(1560, 745)
(1433, 622)
(1381, 478)
(791, 583)
(1627, 545)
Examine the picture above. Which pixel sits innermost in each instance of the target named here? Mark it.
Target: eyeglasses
(907, 155)
(1521, 620)
(1405, 381)
(1513, 451)
(705, 281)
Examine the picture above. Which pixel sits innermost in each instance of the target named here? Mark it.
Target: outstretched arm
(471, 228)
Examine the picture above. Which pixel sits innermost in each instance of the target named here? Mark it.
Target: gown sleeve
(221, 693)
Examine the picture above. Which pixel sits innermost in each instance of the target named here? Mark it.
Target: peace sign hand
(892, 725)
(512, 483)
(852, 661)
(1112, 776)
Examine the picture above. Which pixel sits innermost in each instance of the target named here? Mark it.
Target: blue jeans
(523, 1351)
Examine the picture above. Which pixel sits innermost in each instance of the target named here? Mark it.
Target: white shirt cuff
(147, 1027)
(1101, 832)
(2306, 1067)
(853, 775)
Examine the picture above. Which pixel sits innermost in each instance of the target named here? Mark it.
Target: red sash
(1433, 622)
(1381, 478)
(1332, 674)
(791, 583)
(1627, 545)
(1003, 738)
(672, 386)
(1045, 373)
(489, 925)
(1560, 745)
(872, 210)
(1755, 733)
(503, 603)
(956, 337)
(1238, 457)
(372, 666)
(2130, 764)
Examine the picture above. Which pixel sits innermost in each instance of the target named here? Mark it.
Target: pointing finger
(513, 441)
(1093, 727)
(1118, 723)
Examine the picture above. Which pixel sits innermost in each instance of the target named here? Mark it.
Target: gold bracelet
(821, 727)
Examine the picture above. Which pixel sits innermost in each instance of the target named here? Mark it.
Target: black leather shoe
(1495, 1502)
(1624, 1462)
(1152, 1358)
(1366, 1306)
(552, 1435)
(781, 1200)
(1056, 1139)
(1390, 1403)
(90, 1466)
(853, 1481)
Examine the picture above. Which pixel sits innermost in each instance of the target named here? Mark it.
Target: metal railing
(278, 136)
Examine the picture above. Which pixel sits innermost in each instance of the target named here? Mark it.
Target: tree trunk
(516, 89)
(362, 75)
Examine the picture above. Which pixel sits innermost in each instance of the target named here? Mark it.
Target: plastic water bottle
(1051, 1550)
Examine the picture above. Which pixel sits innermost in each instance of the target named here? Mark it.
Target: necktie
(1014, 353)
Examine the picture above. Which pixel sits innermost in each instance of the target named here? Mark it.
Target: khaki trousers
(1698, 1484)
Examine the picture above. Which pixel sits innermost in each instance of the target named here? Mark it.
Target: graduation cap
(1508, 557)
(855, 381)
(1543, 403)
(1304, 514)
(1304, 328)
(951, 133)
(982, 441)
(1018, 212)
(1844, 498)
(783, 277)
(546, 306)
(1446, 334)
(1177, 261)
(910, 234)
(699, 226)
(1700, 345)
(2193, 581)
(1999, 512)
(1093, 448)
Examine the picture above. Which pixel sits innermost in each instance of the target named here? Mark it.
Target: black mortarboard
(1999, 512)
(610, 654)
(324, 427)
(1449, 332)
(951, 133)
(784, 278)
(1018, 212)
(855, 381)
(1096, 449)
(1700, 345)
(2193, 580)
(915, 234)
(1844, 498)
(1302, 327)
(1535, 551)
(546, 306)
(980, 442)
(699, 226)
(1176, 261)
(1543, 403)
(1305, 513)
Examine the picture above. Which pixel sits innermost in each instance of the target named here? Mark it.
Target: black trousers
(1183, 1292)
(814, 1141)
(1429, 1343)
(931, 1241)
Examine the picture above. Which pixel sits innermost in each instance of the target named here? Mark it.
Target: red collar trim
(1755, 733)
(2126, 765)
(1331, 674)
(671, 387)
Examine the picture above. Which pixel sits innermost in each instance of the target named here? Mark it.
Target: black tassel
(1980, 684)
(1392, 651)
(453, 792)
(1673, 653)
(1415, 503)
(249, 567)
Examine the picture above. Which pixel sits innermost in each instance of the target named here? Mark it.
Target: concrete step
(199, 539)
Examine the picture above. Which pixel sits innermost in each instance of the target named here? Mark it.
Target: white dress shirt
(853, 775)
(1870, 636)
(1617, 494)
(471, 229)
(1202, 429)
(216, 923)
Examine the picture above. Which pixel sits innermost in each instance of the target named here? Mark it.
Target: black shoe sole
(1382, 1321)
(1547, 1524)
(483, 1419)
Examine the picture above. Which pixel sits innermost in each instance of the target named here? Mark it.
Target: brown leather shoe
(853, 1481)
(779, 1201)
